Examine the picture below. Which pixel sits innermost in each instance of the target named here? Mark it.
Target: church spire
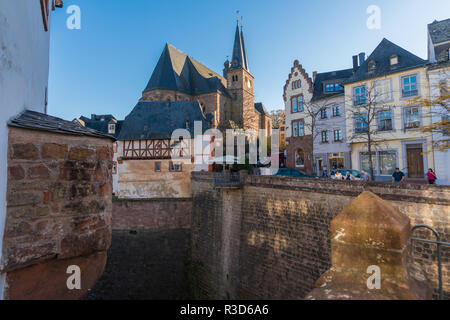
(239, 58)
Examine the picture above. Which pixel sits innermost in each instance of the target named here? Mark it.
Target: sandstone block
(54, 151)
(16, 173)
(25, 151)
(48, 281)
(80, 153)
(38, 172)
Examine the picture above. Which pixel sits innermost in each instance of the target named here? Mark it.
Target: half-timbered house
(151, 163)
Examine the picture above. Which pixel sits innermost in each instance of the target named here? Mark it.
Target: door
(415, 161)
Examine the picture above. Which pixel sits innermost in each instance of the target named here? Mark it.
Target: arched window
(299, 158)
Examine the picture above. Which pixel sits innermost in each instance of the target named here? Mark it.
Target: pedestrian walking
(398, 176)
(431, 176)
(365, 176)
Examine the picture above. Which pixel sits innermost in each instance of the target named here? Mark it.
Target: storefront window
(336, 160)
(388, 162)
(365, 163)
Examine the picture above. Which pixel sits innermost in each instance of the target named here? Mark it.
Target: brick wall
(155, 214)
(58, 210)
(270, 239)
(150, 251)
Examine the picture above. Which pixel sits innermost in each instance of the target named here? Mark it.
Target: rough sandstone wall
(279, 237)
(58, 212)
(150, 251)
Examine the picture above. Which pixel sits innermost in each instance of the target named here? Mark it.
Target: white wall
(24, 63)
(441, 159)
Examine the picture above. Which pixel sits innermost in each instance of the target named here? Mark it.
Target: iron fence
(438, 243)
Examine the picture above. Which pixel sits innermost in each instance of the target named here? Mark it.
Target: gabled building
(331, 149)
(146, 165)
(179, 77)
(180, 92)
(315, 120)
(439, 80)
(298, 90)
(386, 82)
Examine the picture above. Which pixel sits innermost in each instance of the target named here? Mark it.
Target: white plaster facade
(325, 153)
(397, 140)
(24, 68)
(441, 165)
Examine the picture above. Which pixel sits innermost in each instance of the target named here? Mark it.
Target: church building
(180, 92)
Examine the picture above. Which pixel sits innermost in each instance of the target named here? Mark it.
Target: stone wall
(138, 179)
(272, 240)
(58, 212)
(149, 255)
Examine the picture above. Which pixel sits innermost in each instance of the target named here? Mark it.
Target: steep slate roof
(239, 59)
(102, 125)
(327, 77)
(261, 109)
(439, 31)
(177, 71)
(154, 120)
(42, 122)
(381, 55)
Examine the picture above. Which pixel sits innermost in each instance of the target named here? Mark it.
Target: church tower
(240, 85)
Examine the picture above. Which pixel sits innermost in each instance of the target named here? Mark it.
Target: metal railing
(437, 242)
(227, 178)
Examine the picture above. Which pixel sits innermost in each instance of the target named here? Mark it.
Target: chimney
(314, 76)
(362, 58)
(355, 63)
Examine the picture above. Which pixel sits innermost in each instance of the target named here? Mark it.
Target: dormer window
(372, 65)
(112, 128)
(394, 60)
(332, 87)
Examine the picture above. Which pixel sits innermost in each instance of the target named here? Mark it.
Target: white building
(438, 75)
(24, 65)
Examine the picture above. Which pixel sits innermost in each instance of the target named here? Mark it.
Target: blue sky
(104, 67)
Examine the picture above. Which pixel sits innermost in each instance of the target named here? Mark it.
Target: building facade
(379, 99)
(331, 150)
(150, 163)
(24, 45)
(298, 90)
(180, 92)
(315, 121)
(439, 81)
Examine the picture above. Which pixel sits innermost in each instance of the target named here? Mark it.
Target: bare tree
(314, 111)
(437, 105)
(365, 110)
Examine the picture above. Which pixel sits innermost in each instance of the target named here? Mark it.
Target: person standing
(365, 176)
(398, 176)
(431, 176)
(349, 176)
(338, 175)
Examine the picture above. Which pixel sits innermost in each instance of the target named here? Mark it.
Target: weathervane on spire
(237, 16)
